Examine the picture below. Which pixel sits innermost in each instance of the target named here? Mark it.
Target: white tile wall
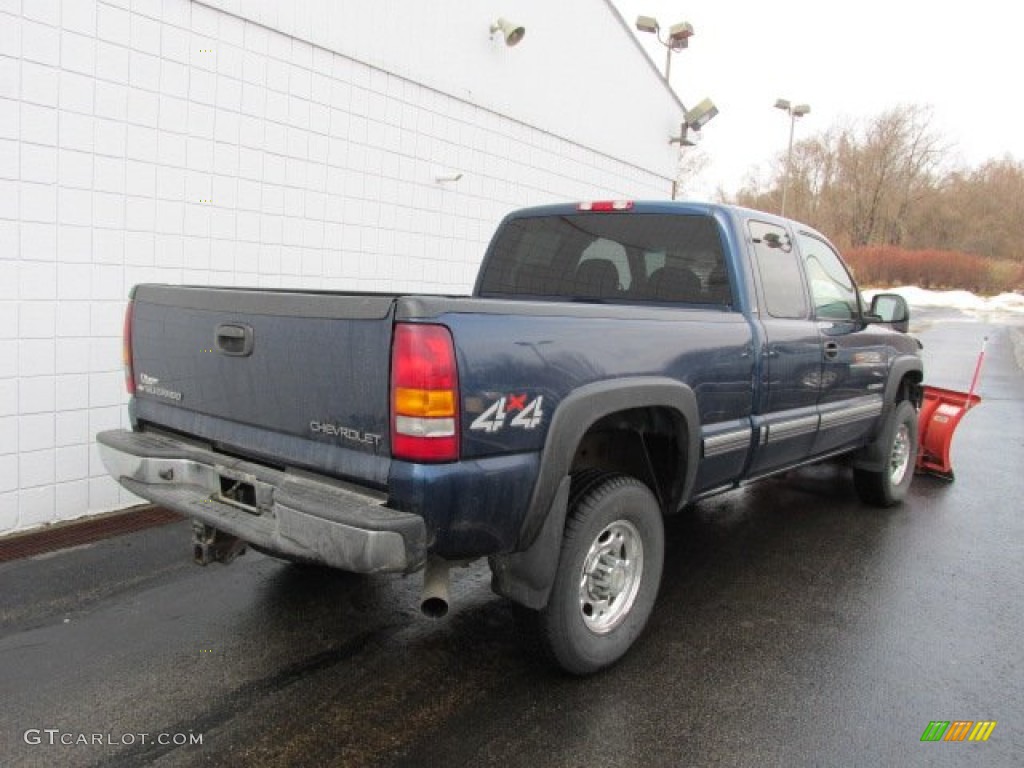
(169, 141)
(8, 435)
(8, 506)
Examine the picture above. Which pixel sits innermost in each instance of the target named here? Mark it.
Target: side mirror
(891, 308)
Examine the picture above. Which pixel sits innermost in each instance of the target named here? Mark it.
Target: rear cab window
(634, 257)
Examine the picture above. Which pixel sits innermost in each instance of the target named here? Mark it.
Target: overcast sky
(845, 60)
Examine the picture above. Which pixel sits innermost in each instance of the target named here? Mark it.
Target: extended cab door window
(832, 290)
(778, 266)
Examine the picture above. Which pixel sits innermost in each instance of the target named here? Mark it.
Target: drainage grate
(77, 532)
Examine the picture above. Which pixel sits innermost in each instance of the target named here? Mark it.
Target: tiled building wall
(171, 142)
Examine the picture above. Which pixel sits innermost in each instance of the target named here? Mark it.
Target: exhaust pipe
(434, 602)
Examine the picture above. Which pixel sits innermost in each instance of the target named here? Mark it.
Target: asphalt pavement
(795, 627)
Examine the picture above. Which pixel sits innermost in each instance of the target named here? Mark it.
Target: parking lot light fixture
(647, 24)
(701, 114)
(794, 112)
(677, 39)
(694, 120)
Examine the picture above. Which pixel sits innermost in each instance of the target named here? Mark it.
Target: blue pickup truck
(616, 362)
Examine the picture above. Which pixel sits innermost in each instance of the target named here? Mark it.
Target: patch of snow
(964, 301)
(1007, 302)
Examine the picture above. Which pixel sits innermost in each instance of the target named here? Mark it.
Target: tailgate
(294, 378)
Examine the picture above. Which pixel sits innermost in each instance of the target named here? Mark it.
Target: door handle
(234, 340)
(831, 350)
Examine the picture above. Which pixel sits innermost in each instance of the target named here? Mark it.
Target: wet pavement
(795, 627)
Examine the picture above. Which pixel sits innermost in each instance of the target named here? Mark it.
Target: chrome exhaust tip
(434, 602)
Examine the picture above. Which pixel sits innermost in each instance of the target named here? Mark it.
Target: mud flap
(526, 577)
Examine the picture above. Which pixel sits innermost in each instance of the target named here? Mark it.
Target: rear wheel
(608, 573)
(888, 486)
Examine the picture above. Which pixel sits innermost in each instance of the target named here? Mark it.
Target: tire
(608, 573)
(888, 486)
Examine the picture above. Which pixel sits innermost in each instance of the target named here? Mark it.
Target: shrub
(887, 266)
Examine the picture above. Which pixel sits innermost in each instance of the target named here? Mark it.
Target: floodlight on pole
(694, 120)
(701, 114)
(794, 112)
(647, 24)
(677, 39)
(679, 35)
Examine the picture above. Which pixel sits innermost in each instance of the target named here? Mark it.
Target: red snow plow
(941, 412)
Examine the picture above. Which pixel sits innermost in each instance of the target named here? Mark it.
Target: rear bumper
(289, 514)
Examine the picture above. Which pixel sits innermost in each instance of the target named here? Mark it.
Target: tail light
(126, 350)
(424, 394)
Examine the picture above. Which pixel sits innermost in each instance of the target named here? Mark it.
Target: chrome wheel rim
(899, 459)
(611, 576)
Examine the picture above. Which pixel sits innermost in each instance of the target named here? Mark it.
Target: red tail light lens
(126, 350)
(424, 394)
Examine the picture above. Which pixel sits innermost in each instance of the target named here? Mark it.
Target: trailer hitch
(211, 545)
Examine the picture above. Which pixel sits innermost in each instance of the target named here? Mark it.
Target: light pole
(694, 119)
(794, 112)
(678, 37)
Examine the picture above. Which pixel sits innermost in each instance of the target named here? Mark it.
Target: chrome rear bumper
(283, 512)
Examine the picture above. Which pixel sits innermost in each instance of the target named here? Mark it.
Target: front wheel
(608, 574)
(888, 486)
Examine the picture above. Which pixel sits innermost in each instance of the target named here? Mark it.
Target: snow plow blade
(941, 411)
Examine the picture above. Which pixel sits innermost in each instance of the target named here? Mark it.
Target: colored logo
(958, 730)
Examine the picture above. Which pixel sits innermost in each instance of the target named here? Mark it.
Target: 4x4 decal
(528, 415)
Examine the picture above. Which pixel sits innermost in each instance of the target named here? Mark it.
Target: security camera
(511, 32)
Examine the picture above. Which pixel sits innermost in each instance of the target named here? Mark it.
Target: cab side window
(832, 290)
(779, 268)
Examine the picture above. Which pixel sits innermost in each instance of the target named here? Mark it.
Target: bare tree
(863, 181)
(987, 208)
(886, 182)
(885, 169)
(693, 161)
